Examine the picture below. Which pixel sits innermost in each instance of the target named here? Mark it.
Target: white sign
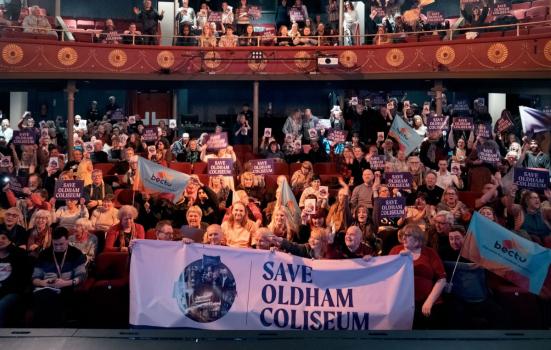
(223, 288)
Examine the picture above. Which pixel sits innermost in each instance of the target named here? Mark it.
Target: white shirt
(8, 134)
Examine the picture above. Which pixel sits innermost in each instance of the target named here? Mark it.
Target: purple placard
(398, 179)
(262, 166)
(377, 162)
(461, 106)
(503, 124)
(217, 141)
(489, 155)
(434, 17)
(338, 136)
(150, 134)
(15, 186)
(391, 207)
(437, 123)
(23, 137)
(463, 124)
(68, 189)
(117, 115)
(220, 167)
(531, 178)
(483, 130)
(296, 15)
(215, 17)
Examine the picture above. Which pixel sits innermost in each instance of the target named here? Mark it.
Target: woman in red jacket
(119, 236)
(429, 277)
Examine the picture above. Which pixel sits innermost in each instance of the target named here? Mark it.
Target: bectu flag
(534, 121)
(405, 135)
(154, 178)
(506, 254)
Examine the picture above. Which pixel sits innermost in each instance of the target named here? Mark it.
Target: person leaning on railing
(132, 36)
(37, 23)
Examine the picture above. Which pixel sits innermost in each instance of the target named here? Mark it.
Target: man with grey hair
(309, 121)
(353, 247)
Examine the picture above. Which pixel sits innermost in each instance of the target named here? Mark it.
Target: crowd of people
(48, 245)
(224, 25)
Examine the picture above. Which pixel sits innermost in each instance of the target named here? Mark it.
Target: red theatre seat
(181, 167)
(107, 291)
(325, 168)
(294, 167)
(71, 23)
(425, 38)
(536, 14)
(540, 30)
(478, 177)
(204, 178)
(270, 182)
(106, 168)
(199, 168)
(281, 168)
(124, 197)
(469, 197)
(86, 24)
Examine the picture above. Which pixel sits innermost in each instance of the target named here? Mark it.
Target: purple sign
(117, 115)
(531, 178)
(399, 179)
(377, 162)
(461, 106)
(15, 186)
(338, 136)
(68, 189)
(215, 16)
(217, 141)
(463, 124)
(489, 155)
(483, 130)
(23, 138)
(150, 134)
(219, 166)
(391, 207)
(435, 123)
(503, 124)
(262, 166)
(434, 17)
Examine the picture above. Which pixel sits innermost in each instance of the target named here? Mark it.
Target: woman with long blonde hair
(282, 224)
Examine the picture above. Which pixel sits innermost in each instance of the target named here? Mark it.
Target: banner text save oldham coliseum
(321, 302)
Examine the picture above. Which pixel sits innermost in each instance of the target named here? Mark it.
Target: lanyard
(58, 267)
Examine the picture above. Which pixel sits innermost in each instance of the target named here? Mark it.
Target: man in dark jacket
(149, 19)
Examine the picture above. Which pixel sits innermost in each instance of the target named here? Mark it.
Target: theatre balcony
(513, 51)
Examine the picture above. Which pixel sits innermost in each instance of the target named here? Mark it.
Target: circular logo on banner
(212, 59)
(257, 61)
(547, 50)
(67, 56)
(348, 59)
(302, 59)
(445, 55)
(497, 53)
(117, 58)
(165, 59)
(12, 54)
(395, 57)
(206, 290)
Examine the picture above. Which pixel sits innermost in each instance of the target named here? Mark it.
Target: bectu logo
(162, 178)
(511, 248)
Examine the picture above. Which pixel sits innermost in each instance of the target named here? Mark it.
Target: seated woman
(132, 36)
(419, 214)
(270, 149)
(85, 241)
(207, 38)
(40, 232)
(186, 38)
(282, 38)
(362, 220)
(106, 215)
(216, 184)
(282, 224)
(340, 217)
(253, 186)
(248, 38)
(228, 39)
(302, 177)
(530, 216)
(13, 220)
(67, 215)
(118, 237)
(193, 217)
(207, 201)
(238, 229)
(381, 37)
(429, 278)
(314, 189)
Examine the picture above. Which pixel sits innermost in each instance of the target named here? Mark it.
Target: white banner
(222, 288)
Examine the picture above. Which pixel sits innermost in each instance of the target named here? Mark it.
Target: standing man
(149, 18)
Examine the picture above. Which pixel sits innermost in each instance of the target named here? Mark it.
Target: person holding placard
(242, 17)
